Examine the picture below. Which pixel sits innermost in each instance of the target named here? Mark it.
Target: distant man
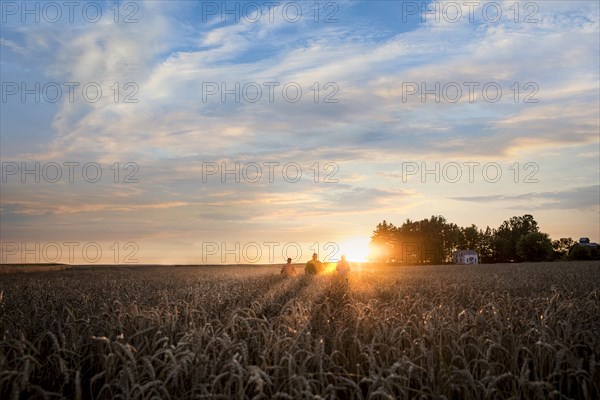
(343, 267)
(288, 269)
(313, 267)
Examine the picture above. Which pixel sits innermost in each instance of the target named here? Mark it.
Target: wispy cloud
(580, 198)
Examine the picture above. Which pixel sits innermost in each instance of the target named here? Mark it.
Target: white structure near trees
(465, 257)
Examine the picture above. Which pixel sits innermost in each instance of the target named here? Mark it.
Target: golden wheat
(524, 331)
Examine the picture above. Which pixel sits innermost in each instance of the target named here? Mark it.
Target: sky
(246, 132)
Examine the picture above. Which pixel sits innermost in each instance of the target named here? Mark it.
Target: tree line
(433, 240)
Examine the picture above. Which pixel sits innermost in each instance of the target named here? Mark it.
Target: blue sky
(369, 59)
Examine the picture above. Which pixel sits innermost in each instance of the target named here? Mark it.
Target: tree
(433, 235)
(561, 247)
(433, 241)
(534, 246)
(486, 245)
(453, 240)
(471, 239)
(509, 233)
(384, 241)
(583, 252)
(427, 241)
(410, 238)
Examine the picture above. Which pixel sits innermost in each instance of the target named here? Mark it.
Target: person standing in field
(313, 267)
(343, 267)
(288, 269)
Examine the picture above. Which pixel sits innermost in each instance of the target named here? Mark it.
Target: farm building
(586, 242)
(584, 250)
(465, 257)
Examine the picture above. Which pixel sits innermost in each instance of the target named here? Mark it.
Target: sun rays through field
(495, 331)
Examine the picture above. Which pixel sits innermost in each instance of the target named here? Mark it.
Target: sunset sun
(356, 249)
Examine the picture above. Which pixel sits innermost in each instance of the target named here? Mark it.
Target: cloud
(174, 116)
(26, 207)
(13, 46)
(171, 55)
(581, 198)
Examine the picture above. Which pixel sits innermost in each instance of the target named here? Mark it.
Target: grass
(522, 331)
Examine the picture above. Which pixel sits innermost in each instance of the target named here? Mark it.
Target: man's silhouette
(343, 267)
(288, 269)
(313, 266)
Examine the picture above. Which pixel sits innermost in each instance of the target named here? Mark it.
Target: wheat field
(521, 331)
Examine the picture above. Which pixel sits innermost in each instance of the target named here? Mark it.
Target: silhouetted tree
(433, 240)
(561, 247)
(454, 239)
(470, 238)
(433, 237)
(384, 240)
(534, 246)
(509, 233)
(408, 241)
(486, 245)
(581, 252)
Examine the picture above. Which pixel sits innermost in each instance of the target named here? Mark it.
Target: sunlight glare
(356, 249)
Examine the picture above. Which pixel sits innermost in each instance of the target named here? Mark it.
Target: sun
(356, 249)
